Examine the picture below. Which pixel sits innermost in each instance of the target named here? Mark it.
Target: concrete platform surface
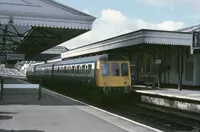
(172, 93)
(58, 113)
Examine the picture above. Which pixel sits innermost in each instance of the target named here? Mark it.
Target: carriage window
(78, 69)
(72, 69)
(115, 69)
(89, 68)
(124, 69)
(83, 68)
(69, 69)
(105, 69)
(86, 69)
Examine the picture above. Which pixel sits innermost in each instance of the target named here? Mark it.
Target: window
(65, 69)
(89, 68)
(105, 69)
(73, 69)
(115, 69)
(148, 66)
(124, 69)
(86, 68)
(83, 68)
(78, 69)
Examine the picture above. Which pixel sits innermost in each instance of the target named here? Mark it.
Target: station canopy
(30, 27)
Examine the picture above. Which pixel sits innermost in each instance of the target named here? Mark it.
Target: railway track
(162, 118)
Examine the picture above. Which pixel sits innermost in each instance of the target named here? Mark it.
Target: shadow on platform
(32, 99)
(6, 115)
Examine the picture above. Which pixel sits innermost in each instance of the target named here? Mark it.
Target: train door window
(115, 69)
(105, 69)
(124, 69)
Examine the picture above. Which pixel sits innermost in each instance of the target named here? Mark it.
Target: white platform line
(126, 119)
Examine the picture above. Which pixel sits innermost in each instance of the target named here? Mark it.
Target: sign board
(158, 61)
(15, 56)
(195, 47)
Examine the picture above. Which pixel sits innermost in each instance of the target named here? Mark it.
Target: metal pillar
(164, 65)
(2, 89)
(40, 89)
(158, 67)
(180, 69)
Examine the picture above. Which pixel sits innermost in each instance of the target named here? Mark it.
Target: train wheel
(107, 90)
(127, 89)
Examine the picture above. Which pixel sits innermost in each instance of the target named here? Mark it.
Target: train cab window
(115, 69)
(124, 69)
(105, 69)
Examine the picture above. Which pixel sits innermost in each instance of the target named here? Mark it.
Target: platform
(58, 113)
(185, 99)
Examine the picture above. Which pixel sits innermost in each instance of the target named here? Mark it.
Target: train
(106, 72)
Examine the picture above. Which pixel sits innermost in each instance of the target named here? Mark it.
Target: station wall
(146, 63)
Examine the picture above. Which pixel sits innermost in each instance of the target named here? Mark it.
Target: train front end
(114, 75)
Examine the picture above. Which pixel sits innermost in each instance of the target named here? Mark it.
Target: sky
(116, 17)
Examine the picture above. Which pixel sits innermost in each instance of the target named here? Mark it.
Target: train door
(133, 68)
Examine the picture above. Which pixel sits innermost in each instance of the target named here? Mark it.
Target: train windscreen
(105, 69)
(115, 69)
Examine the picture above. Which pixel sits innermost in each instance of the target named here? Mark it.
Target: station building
(169, 57)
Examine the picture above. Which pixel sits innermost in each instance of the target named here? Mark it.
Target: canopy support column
(158, 66)
(180, 69)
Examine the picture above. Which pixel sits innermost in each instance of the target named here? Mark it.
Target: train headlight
(125, 83)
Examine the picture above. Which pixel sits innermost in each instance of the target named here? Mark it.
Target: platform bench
(149, 81)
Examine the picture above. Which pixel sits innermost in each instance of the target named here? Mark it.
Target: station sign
(15, 56)
(158, 61)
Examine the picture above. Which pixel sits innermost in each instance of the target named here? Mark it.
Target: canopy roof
(33, 26)
(143, 36)
(194, 28)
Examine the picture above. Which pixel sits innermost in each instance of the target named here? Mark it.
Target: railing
(38, 86)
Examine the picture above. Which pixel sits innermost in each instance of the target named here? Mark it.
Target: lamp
(11, 20)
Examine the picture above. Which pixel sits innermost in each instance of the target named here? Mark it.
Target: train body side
(96, 71)
(76, 73)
